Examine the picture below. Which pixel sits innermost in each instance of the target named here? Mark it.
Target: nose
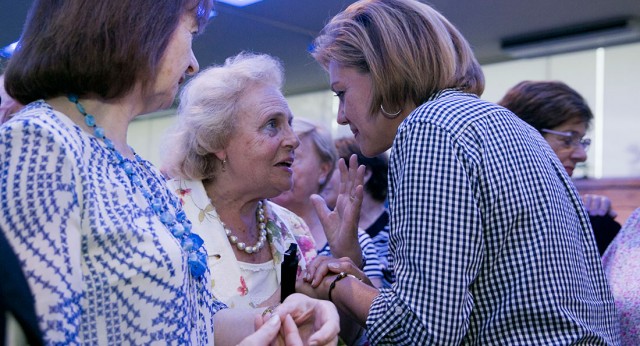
(579, 154)
(193, 67)
(341, 117)
(291, 139)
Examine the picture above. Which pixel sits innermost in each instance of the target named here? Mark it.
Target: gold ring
(268, 310)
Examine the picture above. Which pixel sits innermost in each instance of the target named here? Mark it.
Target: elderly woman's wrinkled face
(261, 148)
(308, 173)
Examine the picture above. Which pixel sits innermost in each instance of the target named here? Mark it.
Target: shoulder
(286, 215)
(37, 125)
(453, 110)
(293, 225)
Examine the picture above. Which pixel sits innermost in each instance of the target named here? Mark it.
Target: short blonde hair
(209, 104)
(410, 50)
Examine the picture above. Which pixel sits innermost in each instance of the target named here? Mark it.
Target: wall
(607, 78)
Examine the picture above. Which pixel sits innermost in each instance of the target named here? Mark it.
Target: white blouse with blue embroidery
(101, 265)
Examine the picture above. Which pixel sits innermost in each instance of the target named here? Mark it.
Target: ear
(325, 167)
(367, 175)
(220, 154)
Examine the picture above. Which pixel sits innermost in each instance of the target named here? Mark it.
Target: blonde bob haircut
(209, 105)
(410, 50)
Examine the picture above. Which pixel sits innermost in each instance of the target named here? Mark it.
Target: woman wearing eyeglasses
(562, 116)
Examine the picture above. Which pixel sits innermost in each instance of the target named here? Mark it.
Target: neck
(113, 116)
(370, 212)
(233, 209)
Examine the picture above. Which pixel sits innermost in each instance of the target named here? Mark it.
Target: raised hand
(341, 224)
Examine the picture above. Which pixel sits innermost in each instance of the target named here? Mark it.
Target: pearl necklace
(262, 230)
(178, 224)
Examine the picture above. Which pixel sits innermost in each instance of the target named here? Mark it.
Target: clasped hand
(298, 321)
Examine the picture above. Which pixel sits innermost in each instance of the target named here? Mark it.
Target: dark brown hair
(546, 104)
(96, 47)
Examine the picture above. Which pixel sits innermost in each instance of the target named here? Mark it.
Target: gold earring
(390, 115)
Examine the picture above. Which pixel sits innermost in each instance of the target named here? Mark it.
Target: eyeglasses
(570, 139)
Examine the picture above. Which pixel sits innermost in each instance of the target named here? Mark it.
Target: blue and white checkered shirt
(489, 240)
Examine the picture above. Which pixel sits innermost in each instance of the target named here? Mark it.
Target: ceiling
(286, 28)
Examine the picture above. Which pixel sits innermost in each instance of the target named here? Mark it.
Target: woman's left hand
(341, 224)
(317, 321)
(598, 205)
(322, 266)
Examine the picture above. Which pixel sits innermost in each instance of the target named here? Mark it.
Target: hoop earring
(390, 115)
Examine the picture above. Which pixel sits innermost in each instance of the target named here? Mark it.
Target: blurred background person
(563, 117)
(103, 243)
(8, 106)
(316, 159)
(374, 215)
(621, 264)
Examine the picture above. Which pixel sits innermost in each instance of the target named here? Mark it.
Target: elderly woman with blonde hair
(231, 151)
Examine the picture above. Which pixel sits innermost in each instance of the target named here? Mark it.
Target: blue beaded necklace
(178, 224)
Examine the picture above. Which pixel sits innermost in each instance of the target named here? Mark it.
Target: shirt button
(398, 310)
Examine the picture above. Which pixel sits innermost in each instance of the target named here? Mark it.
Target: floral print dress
(228, 281)
(621, 264)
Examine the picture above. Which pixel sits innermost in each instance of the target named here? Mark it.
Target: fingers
(327, 322)
(598, 205)
(350, 178)
(291, 333)
(329, 265)
(321, 208)
(266, 333)
(313, 267)
(314, 316)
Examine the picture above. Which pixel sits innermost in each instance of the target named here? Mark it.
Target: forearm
(353, 298)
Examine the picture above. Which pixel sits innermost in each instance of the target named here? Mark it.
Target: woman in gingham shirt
(489, 240)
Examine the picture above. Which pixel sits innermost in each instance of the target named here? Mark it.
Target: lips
(569, 170)
(286, 163)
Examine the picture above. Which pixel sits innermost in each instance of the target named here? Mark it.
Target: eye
(272, 123)
(339, 94)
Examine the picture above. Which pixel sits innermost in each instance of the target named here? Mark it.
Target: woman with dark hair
(489, 241)
(105, 247)
(562, 117)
